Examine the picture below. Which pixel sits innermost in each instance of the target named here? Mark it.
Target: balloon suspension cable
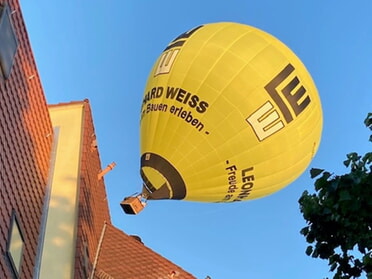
(144, 196)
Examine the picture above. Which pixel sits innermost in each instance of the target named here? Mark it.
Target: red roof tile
(124, 256)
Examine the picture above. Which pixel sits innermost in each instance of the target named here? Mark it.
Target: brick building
(54, 216)
(25, 146)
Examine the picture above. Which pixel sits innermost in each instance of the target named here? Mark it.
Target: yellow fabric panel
(232, 112)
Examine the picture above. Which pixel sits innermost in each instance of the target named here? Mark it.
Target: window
(8, 41)
(15, 246)
(86, 262)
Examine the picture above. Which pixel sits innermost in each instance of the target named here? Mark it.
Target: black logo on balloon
(290, 97)
(170, 52)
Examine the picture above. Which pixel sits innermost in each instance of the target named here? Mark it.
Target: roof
(124, 256)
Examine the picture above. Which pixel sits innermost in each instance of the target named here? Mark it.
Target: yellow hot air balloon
(229, 113)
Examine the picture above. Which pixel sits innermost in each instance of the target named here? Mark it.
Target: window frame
(15, 224)
(7, 58)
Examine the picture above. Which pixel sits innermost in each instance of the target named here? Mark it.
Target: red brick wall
(25, 144)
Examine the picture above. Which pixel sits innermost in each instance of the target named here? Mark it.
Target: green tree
(339, 216)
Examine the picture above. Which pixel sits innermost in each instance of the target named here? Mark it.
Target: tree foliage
(339, 216)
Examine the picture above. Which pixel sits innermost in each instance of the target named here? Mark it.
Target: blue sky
(104, 50)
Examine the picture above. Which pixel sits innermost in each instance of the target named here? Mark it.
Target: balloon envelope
(229, 113)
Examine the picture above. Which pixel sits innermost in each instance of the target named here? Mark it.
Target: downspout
(98, 250)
